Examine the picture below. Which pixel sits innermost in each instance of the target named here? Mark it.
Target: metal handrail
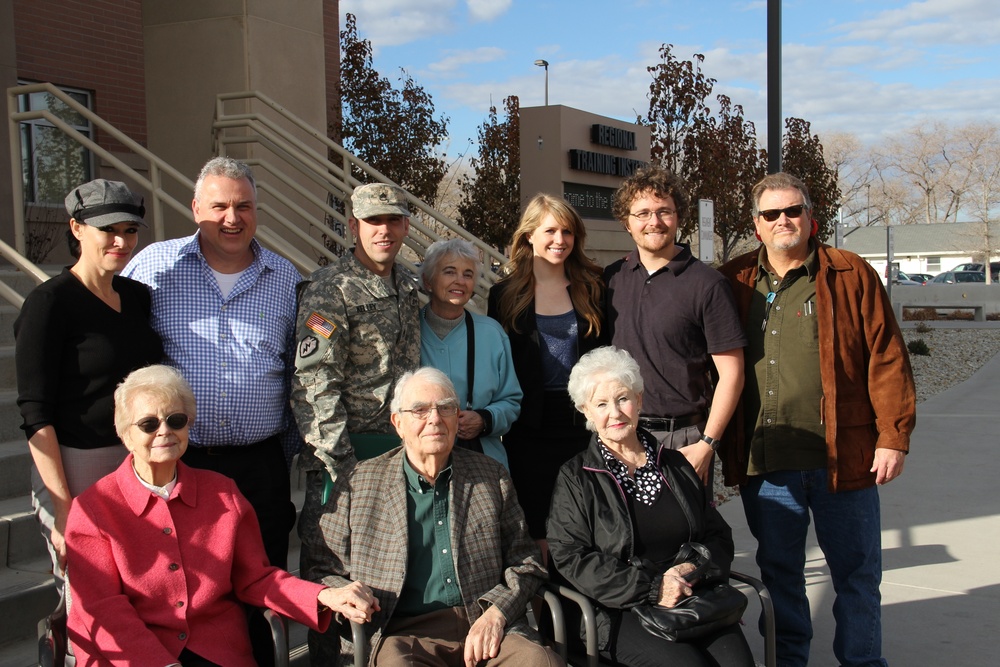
(158, 168)
(157, 171)
(334, 178)
(305, 162)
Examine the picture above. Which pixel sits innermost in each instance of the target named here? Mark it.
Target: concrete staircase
(27, 592)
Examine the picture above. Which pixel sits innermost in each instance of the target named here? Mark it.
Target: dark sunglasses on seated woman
(791, 212)
(175, 422)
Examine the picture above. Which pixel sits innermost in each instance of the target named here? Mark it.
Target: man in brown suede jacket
(827, 409)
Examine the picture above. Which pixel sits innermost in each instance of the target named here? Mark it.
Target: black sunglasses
(772, 214)
(176, 422)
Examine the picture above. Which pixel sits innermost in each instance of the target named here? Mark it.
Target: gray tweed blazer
(497, 563)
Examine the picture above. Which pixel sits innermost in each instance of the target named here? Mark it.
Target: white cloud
(608, 86)
(453, 61)
(487, 10)
(930, 23)
(394, 22)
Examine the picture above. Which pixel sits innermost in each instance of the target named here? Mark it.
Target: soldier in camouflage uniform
(358, 331)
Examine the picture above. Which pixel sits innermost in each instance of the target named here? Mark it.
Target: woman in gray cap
(77, 337)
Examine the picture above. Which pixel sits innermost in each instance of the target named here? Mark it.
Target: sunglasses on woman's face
(175, 422)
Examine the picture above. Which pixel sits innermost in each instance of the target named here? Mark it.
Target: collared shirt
(235, 351)
(430, 582)
(782, 362)
(670, 322)
(647, 484)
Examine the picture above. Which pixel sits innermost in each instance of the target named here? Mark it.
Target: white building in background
(926, 248)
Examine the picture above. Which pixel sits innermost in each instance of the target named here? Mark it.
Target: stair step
(10, 416)
(22, 282)
(21, 652)
(21, 541)
(8, 314)
(8, 369)
(15, 469)
(32, 594)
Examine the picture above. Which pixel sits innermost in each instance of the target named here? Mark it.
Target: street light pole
(545, 64)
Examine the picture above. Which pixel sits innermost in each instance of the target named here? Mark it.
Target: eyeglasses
(175, 422)
(645, 216)
(772, 214)
(449, 409)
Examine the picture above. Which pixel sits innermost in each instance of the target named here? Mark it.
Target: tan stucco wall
(196, 50)
(548, 134)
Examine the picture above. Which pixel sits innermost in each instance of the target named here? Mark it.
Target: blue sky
(869, 67)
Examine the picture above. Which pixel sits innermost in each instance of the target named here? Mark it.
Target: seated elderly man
(438, 539)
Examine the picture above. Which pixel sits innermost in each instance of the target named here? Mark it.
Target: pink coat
(150, 577)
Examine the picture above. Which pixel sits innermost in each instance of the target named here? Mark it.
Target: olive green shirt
(782, 362)
(430, 582)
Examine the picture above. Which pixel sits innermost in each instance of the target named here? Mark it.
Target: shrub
(922, 327)
(918, 346)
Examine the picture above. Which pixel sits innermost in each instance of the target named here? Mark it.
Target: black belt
(671, 423)
(226, 450)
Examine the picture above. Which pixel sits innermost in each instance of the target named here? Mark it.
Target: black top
(73, 350)
(526, 353)
(671, 322)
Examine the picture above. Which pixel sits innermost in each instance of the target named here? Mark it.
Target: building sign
(706, 230)
(590, 201)
(612, 137)
(603, 163)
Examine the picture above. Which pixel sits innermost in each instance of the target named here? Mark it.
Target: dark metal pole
(774, 120)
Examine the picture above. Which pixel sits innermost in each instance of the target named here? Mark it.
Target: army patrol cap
(100, 202)
(375, 199)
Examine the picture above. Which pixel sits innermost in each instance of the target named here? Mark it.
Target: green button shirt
(430, 582)
(782, 360)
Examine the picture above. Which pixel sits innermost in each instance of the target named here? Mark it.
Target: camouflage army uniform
(355, 339)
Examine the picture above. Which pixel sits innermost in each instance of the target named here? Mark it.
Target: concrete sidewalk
(940, 539)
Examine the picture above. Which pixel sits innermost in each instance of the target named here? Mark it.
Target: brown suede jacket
(869, 399)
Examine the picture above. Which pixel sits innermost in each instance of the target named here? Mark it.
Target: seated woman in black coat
(621, 511)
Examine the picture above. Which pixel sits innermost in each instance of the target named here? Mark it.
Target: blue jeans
(848, 528)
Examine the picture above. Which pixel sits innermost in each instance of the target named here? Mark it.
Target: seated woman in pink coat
(163, 556)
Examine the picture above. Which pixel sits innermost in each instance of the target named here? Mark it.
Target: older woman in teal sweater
(472, 350)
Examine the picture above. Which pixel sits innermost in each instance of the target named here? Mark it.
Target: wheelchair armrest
(360, 644)
(589, 621)
(279, 635)
(766, 611)
(550, 599)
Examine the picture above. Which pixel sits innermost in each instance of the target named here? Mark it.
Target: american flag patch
(321, 325)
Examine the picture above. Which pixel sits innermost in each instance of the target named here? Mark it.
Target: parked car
(951, 277)
(922, 278)
(905, 279)
(973, 266)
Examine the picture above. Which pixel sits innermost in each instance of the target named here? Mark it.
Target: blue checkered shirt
(236, 352)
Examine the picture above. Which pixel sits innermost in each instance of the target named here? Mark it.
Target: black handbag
(714, 604)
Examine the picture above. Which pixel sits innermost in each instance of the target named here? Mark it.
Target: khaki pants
(438, 639)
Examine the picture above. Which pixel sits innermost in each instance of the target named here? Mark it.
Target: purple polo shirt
(670, 322)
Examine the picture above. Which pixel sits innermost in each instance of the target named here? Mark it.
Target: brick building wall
(95, 45)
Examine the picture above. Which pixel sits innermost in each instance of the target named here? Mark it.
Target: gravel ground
(955, 354)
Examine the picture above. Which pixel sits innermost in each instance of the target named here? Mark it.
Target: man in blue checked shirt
(225, 308)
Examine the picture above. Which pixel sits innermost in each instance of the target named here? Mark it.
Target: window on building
(52, 163)
(933, 265)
